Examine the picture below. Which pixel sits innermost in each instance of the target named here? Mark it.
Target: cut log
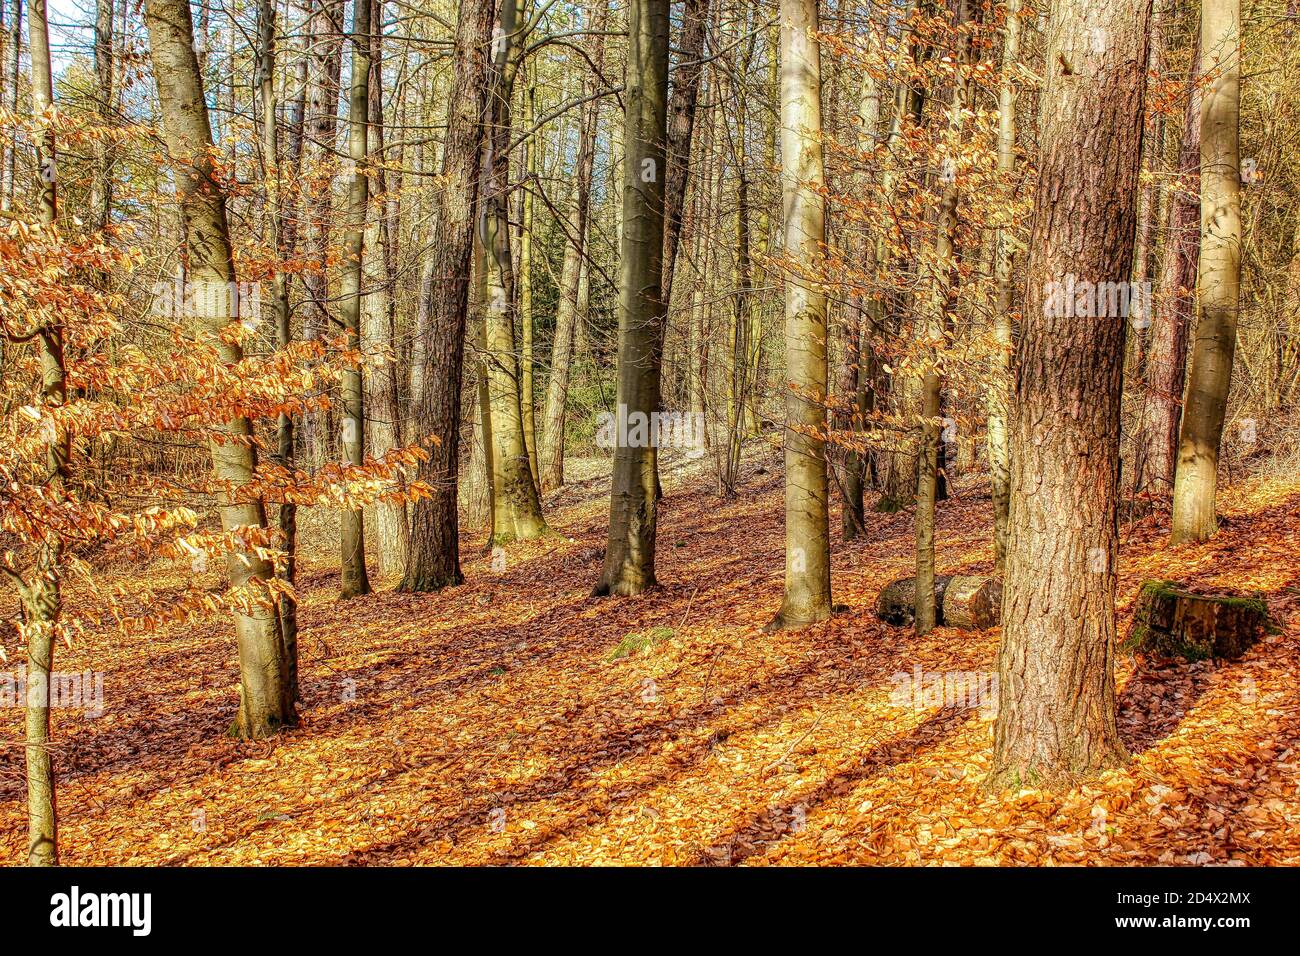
(962, 600)
(1171, 622)
(897, 602)
(972, 602)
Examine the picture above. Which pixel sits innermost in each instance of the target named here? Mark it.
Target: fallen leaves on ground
(492, 723)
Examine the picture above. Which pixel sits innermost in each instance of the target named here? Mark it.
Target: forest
(645, 433)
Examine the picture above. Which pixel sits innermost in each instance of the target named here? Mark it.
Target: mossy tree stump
(961, 600)
(1171, 622)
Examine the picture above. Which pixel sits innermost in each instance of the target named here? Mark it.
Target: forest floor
(492, 724)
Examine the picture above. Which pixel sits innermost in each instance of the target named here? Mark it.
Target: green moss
(641, 643)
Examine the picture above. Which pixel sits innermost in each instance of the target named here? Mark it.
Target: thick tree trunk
(266, 697)
(353, 580)
(1219, 281)
(803, 174)
(634, 502)
(1056, 717)
(434, 560)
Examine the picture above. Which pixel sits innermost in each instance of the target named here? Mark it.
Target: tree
(567, 316)
(942, 278)
(1164, 370)
(1219, 279)
(999, 400)
(803, 175)
(434, 560)
(516, 503)
(1056, 692)
(634, 501)
(352, 531)
(40, 592)
(266, 697)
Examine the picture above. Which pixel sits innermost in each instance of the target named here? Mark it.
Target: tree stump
(972, 602)
(1171, 622)
(962, 600)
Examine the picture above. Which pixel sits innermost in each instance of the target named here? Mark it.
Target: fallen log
(961, 600)
(1169, 621)
(972, 602)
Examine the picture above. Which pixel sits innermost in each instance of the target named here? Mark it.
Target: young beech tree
(1218, 285)
(999, 394)
(516, 503)
(266, 698)
(803, 176)
(937, 320)
(352, 530)
(634, 505)
(1056, 713)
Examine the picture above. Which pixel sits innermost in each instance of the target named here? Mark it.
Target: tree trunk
(102, 200)
(937, 323)
(353, 580)
(1219, 279)
(528, 398)
(803, 175)
(281, 243)
(1165, 371)
(516, 505)
(1056, 716)
(266, 698)
(383, 428)
(434, 560)
(681, 129)
(10, 157)
(567, 317)
(325, 33)
(999, 396)
(634, 506)
(41, 596)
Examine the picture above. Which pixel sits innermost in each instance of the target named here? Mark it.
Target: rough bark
(434, 560)
(1056, 717)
